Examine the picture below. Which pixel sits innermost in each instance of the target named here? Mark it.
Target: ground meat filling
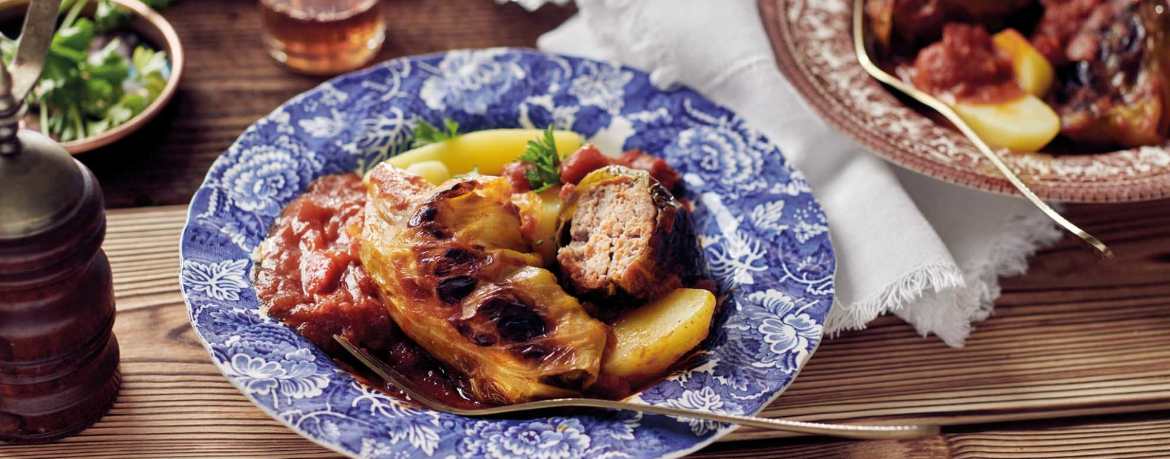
(610, 231)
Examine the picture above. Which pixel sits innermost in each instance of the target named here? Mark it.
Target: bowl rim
(176, 57)
(824, 73)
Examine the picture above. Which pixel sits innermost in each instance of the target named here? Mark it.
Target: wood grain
(1143, 436)
(1074, 337)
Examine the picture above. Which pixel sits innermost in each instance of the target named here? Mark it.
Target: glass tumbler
(323, 37)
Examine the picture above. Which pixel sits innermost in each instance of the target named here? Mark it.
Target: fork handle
(860, 432)
(854, 431)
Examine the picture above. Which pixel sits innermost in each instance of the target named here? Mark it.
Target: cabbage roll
(458, 278)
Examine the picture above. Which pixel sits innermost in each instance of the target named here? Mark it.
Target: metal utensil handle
(33, 48)
(15, 83)
(862, 432)
(1101, 249)
(861, 49)
(854, 431)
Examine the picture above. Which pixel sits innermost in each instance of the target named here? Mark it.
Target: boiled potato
(434, 171)
(546, 225)
(1032, 71)
(648, 340)
(489, 150)
(1025, 124)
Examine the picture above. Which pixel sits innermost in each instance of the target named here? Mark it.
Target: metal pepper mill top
(39, 180)
(58, 355)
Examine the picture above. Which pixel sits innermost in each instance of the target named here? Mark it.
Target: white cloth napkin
(925, 250)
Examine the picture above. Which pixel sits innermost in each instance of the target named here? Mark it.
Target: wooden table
(1075, 361)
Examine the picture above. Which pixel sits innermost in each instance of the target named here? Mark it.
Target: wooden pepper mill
(58, 356)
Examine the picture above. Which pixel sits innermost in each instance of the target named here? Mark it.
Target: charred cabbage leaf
(455, 273)
(627, 239)
(1114, 91)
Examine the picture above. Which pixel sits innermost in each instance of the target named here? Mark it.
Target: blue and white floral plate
(765, 237)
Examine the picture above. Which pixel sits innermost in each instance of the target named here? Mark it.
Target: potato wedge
(489, 150)
(546, 226)
(1025, 124)
(1032, 71)
(434, 171)
(648, 340)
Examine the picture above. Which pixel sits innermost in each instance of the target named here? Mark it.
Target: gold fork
(862, 432)
(862, 50)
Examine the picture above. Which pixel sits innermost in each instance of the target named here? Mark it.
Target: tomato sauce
(964, 65)
(657, 167)
(588, 159)
(309, 275)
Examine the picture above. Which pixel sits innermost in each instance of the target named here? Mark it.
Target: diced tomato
(514, 172)
(583, 161)
(657, 167)
(588, 159)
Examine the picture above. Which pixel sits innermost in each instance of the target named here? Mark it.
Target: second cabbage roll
(1116, 89)
(457, 277)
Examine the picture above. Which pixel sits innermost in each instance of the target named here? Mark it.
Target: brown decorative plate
(813, 44)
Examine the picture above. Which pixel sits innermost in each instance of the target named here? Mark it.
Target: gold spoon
(859, 45)
(854, 431)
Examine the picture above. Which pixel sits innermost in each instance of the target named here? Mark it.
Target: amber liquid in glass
(323, 37)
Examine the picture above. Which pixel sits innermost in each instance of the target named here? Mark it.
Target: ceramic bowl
(153, 29)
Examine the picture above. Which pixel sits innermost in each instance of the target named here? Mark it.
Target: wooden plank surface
(1141, 436)
(1069, 339)
(1074, 337)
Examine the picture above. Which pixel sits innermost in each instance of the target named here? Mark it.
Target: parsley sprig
(541, 153)
(426, 133)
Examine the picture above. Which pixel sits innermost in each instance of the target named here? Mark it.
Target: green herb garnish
(109, 16)
(541, 153)
(83, 93)
(426, 133)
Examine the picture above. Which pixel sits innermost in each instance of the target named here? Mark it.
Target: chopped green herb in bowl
(101, 71)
